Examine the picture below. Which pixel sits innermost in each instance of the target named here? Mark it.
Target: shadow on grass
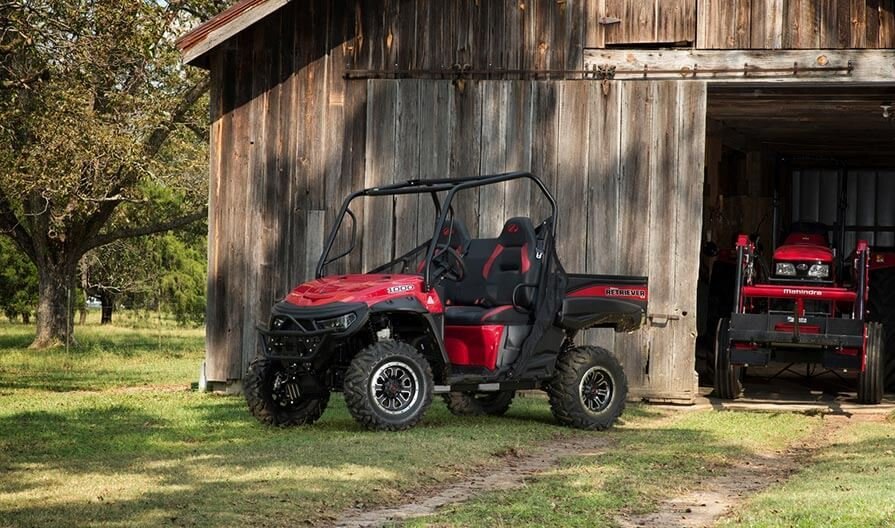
(202, 459)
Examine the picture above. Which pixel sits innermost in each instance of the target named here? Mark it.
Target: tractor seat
(494, 268)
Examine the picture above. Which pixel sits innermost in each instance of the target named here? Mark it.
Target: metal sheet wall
(870, 198)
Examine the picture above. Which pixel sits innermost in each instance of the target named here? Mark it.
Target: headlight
(820, 271)
(785, 269)
(278, 322)
(337, 323)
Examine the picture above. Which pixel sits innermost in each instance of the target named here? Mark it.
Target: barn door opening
(780, 155)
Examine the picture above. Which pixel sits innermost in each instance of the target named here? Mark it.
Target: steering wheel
(447, 263)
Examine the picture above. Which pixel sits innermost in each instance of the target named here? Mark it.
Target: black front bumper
(297, 334)
(792, 346)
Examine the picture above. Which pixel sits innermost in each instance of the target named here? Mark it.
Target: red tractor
(473, 319)
(802, 313)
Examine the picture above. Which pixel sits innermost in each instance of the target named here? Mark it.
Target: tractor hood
(369, 288)
(803, 247)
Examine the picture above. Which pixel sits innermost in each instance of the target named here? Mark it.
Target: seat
(479, 315)
(454, 235)
(494, 269)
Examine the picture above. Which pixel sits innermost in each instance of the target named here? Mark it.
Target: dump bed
(604, 301)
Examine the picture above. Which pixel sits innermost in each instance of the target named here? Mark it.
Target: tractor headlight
(278, 322)
(820, 271)
(337, 323)
(785, 269)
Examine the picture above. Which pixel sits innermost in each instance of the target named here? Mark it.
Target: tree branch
(174, 223)
(12, 227)
(157, 138)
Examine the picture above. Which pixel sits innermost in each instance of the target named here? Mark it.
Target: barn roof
(195, 44)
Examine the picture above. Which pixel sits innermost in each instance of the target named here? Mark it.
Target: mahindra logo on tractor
(625, 292)
(512, 228)
(790, 291)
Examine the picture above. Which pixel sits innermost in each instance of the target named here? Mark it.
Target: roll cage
(432, 187)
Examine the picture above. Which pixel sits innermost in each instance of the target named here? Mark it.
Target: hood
(804, 247)
(368, 288)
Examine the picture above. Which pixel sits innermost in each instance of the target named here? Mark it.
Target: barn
(660, 126)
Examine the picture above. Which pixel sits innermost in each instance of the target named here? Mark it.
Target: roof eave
(195, 45)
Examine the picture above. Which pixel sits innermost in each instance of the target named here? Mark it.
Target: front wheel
(589, 388)
(728, 378)
(870, 380)
(274, 395)
(388, 386)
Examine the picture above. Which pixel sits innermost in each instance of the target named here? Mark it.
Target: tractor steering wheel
(447, 263)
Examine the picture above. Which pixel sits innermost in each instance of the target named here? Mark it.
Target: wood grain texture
(869, 66)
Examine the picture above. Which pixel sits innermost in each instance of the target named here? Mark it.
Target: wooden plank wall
(626, 166)
(795, 24)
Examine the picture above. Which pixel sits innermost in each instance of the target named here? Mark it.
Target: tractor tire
(870, 380)
(388, 386)
(882, 310)
(589, 388)
(728, 378)
(479, 403)
(271, 409)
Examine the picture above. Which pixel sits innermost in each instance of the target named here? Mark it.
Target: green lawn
(851, 484)
(109, 434)
(77, 443)
(650, 461)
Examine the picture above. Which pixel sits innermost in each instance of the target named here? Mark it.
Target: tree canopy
(103, 132)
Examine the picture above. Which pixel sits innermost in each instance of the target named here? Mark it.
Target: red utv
(473, 319)
(803, 313)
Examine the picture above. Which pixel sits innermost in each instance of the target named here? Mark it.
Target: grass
(649, 462)
(109, 434)
(106, 357)
(79, 442)
(852, 483)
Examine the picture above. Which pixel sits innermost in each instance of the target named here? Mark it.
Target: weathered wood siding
(290, 137)
(795, 24)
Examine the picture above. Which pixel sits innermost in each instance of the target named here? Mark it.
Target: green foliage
(182, 283)
(161, 272)
(103, 133)
(18, 282)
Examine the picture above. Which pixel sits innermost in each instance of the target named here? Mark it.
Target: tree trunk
(55, 319)
(82, 314)
(26, 318)
(108, 304)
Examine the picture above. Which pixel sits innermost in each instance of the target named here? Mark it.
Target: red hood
(369, 289)
(803, 252)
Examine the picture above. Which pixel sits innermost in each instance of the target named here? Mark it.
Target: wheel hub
(596, 389)
(395, 387)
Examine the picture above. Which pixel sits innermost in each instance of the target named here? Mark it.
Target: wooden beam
(869, 66)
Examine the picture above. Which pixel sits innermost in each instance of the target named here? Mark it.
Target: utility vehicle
(473, 319)
(807, 311)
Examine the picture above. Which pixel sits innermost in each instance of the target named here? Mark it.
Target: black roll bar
(433, 187)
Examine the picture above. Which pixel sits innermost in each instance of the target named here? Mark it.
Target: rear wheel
(274, 397)
(728, 378)
(388, 386)
(870, 380)
(479, 403)
(589, 388)
(882, 310)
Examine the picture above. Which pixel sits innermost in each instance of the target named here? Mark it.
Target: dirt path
(510, 476)
(717, 496)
